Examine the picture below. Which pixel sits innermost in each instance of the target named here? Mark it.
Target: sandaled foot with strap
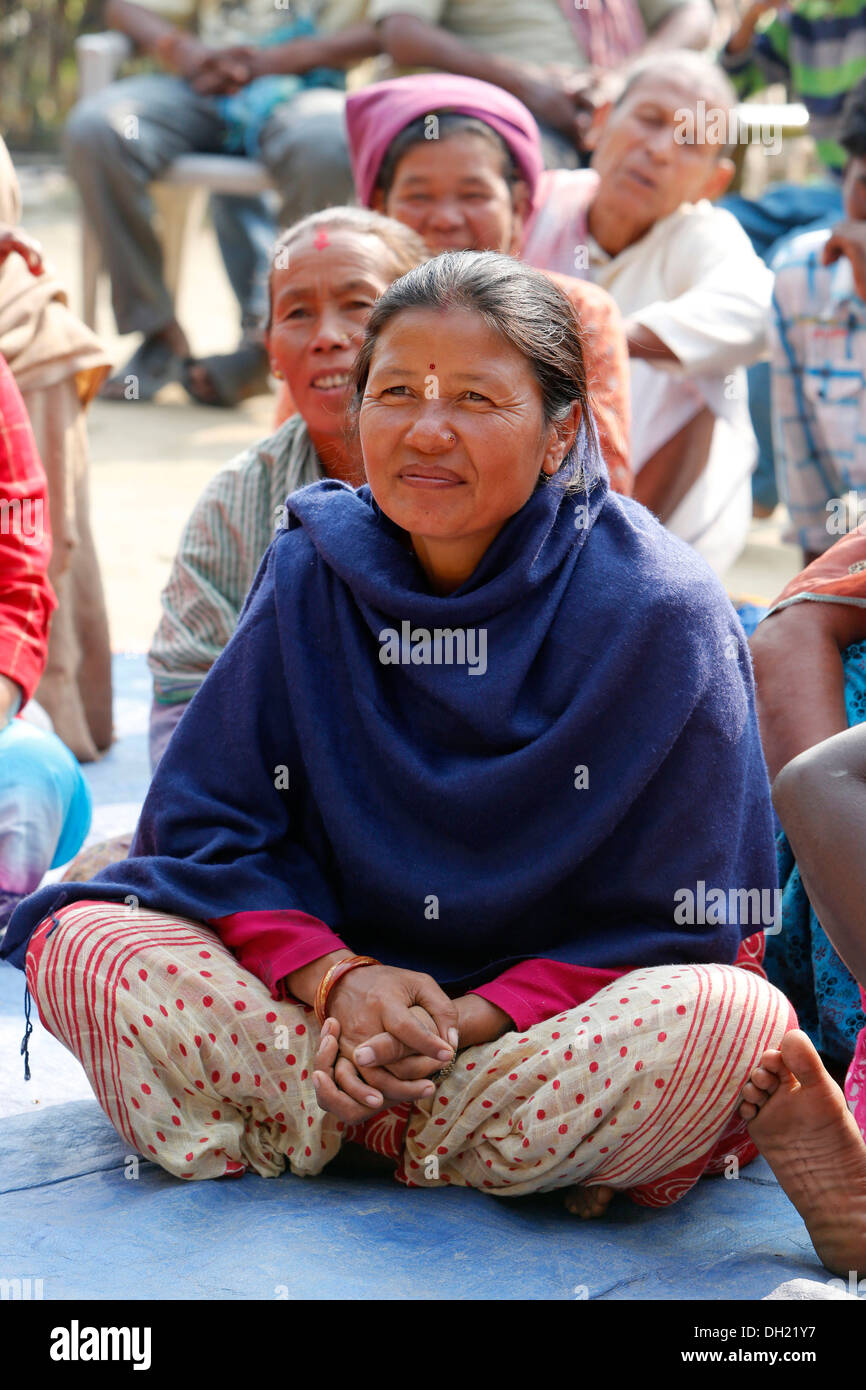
(156, 362)
(227, 379)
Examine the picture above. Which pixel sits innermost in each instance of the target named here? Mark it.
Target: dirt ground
(149, 462)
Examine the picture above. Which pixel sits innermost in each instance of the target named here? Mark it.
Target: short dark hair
(405, 246)
(852, 130)
(450, 123)
(522, 304)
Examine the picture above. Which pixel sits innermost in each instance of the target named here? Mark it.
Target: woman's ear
(276, 369)
(377, 202)
(561, 439)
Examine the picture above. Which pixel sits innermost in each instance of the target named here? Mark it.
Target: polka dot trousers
(199, 1069)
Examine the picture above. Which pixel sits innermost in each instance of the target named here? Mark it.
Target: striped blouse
(222, 545)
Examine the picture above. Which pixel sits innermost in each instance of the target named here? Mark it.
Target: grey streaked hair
(405, 246)
(703, 74)
(521, 304)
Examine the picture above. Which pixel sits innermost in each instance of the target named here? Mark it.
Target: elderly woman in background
(328, 271)
(398, 879)
(459, 162)
(59, 365)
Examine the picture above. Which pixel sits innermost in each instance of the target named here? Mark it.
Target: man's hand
(554, 107)
(182, 54)
(227, 70)
(762, 7)
(848, 238)
(743, 35)
(210, 71)
(13, 239)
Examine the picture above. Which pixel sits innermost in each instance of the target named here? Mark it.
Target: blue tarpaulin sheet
(81, 1212)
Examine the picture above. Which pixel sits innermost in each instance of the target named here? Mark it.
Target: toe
(754, 1094)
(764, 1080)
(771, 1061)
(801, 1058)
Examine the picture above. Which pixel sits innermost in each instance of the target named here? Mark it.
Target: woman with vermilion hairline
(420, 907)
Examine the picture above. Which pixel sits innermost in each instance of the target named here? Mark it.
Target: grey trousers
(120, 140)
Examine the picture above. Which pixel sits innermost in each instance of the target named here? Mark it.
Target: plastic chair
(181, 193)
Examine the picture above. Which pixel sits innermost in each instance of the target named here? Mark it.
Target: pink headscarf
(376, 114)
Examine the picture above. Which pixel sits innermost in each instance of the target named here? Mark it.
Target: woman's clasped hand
(387, 1031)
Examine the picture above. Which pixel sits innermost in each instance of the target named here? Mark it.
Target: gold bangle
(330, 978)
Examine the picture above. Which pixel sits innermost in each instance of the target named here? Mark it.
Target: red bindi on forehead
(321, 239)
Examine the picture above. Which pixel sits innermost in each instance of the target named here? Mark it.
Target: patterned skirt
(198, 1068)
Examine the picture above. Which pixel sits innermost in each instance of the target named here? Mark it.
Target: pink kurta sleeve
(273, 944)
(534, 990)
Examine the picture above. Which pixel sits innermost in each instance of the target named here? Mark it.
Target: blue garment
(45, 806)
(783, 210)
(750, 614)
(801, 959)
(247, 111)
(436, 816)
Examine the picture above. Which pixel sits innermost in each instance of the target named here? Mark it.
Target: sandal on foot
(153, 365)
(234, 375)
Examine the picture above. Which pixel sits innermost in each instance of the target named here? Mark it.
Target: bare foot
(798, 1118)
(588, 1202)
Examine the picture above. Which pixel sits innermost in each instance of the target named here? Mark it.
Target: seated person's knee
(87, 131)
(798, 779)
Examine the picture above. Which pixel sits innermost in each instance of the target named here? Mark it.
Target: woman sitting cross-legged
(412, 868)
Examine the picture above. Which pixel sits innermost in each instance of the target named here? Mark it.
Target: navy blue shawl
(436, 817)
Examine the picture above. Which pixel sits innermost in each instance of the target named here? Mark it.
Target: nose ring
(452, 439)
